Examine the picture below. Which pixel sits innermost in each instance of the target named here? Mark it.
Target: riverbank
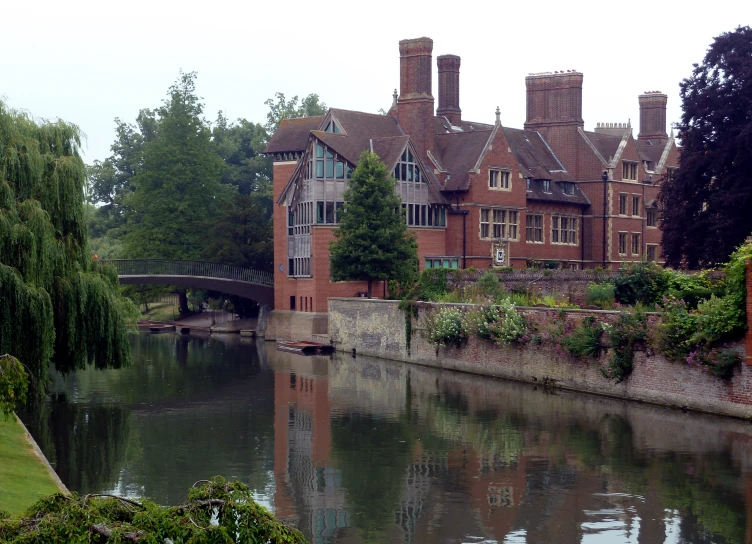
(25, 474)
(378, 328)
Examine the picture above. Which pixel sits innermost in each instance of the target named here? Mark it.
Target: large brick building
(474, 194)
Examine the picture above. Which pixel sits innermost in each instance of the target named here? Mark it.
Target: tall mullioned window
(564, 229)
(629, 171)
(499, 223)
(407, 168)
(534, 228)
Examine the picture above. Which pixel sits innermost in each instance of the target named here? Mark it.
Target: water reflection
(364, 450)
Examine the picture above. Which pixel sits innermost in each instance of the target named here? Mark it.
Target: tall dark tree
(177, 190)
(706, 206)
(372, 240)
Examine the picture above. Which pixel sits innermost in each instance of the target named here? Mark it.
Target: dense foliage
(14, 384)
(372, 239)
(216, 511)
(179, 187)
(56, 304)
(706, 205)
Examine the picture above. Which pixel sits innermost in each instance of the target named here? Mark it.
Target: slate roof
(650, 150)
(441, 125)
(535, 158)
(606, 144)
(457, 153)
(292, 134)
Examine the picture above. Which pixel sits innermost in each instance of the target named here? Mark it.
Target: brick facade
(485, 178)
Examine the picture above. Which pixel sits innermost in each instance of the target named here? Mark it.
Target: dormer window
(332, 128)
(546, 185)
(407, 168)
(568, 188)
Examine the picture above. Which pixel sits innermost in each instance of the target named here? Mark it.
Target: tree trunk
(370, 288)
(183, 303)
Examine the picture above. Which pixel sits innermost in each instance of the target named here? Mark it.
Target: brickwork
(749, 313)
(377, 328)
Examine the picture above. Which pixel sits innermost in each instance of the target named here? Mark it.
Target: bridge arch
(234, 280)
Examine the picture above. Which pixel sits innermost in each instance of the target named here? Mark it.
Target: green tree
(706, 206)
(53, 298)
(177, 189)
(280, 109)
(372, 240)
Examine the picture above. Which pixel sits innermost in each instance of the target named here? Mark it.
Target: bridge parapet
(163, 267)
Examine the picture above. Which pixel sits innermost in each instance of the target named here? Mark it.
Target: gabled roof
(458, 153)
(605, 145)
(534, 156)
(292, 134)
(651, 150)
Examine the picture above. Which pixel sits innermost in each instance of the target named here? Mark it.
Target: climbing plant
(217, 511)
(56, 304)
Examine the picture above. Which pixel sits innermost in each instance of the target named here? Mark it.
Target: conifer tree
(55, 302)
(372, 240)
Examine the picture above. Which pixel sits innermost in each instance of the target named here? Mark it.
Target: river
(368, 450)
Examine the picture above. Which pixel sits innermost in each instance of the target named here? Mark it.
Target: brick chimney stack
(554, 108)
(449, 88)
(554, 99)
(653, 116)
(415, 105)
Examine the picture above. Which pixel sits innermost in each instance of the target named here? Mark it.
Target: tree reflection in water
(365, 450)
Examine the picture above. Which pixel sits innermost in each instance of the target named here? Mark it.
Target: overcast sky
(88, 62)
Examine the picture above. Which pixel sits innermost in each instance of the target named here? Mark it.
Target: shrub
(602, 295)
(718, 319)
(488, 286)
(585, 340)
(447, 326)
(510, 326)
(719, 363)
(640, 282)
(624, 334)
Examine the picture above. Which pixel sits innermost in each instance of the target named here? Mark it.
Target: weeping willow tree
(56, 304)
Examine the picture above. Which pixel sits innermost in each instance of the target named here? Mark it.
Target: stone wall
(292, 325)
(377, 328)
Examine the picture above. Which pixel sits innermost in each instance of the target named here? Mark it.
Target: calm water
(366, 450)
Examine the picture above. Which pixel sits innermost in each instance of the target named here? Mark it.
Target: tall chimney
(554, 99)
(653, 116)
(415, 103)
(449, 88)
(554, 108)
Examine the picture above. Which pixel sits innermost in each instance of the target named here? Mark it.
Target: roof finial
(394, 99)
(498, 115)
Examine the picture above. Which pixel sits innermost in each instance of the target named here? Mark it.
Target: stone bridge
(233, 280)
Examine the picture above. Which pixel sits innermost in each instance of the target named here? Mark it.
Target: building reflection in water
(492, 461)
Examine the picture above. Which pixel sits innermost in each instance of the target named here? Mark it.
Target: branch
(102, 530)
(121, 499)
(199, 504)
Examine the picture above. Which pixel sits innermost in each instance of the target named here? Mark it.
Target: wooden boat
(303, 347)
(165, 327)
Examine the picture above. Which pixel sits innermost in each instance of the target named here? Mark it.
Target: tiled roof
(535, 158)
(605, 144)
(441, 125)
(457, 153)
(292, 134)
(556, 194)
(651, 150)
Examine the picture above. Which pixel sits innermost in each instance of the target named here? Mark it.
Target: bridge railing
(162, 267)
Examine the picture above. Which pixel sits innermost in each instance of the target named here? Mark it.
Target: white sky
(88, 62)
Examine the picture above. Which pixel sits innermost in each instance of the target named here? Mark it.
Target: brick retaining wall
(377, 328)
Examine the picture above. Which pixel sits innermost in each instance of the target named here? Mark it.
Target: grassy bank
(24, 478)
